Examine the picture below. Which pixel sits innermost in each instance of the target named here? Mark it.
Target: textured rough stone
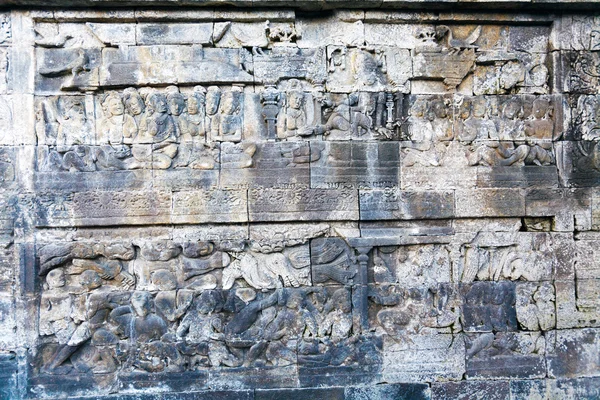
(309, 199)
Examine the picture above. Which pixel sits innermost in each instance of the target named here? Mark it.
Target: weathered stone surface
(465, 390)
(372, 200)
(424, 358)
(506, 355)
(572, 353)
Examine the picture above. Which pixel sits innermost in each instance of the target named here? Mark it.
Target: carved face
(213, 98)
(512, 109)
(296, 100)
(465, 110)
(418, 108)
(194, 103)
(56, 278)
(135, 104)
(439, 109)
(90, 279)
(140, 302)
(158, 103)
(479, 108)
(294, 300)
(74, 111)
(228, 105)
(540, 107)
(176, 104)
(115, 106)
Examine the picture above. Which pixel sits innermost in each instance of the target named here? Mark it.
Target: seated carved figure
(293, 119)
(117, 127)
(227, 125)
(156, 142)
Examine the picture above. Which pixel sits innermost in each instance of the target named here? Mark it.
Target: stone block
(493, 390)
(211, 205)
(169, 64)
(438, 178)
(8, 376)
(527, 389)
(573, 353)
(506, 355)
(352, 165)
(583, 388)
(264, 377)
(418, 265)
(173, 33)
(536, 307)
(577, 303)
(397, 391)
(271, 165)
(166, 382)
(302, 204)
(300, 394)
(424, 358)
(489, 307)
(393, 204)
(517, 177)
(398, 311)
(490, 202)
(104, 208)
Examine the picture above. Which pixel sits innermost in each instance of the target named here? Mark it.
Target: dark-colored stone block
(398, 391)
(396, 204)
(489, 306)
(300, 394)
(490, 390)
(176, 382)
(527, 389)
(355, 165)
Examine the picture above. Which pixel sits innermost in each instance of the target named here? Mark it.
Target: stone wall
(278, 203)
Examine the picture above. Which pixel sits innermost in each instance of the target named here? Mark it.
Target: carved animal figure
(457, 44)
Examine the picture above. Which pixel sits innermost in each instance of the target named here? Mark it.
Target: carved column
(360, 292)
(270, 99)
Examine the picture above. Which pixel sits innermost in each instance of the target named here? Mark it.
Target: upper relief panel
(354, 53)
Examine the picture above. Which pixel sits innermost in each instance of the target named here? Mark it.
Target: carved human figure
(213, 100)
(193, 125)
(134, 104)
(73, 158)
(440, 120)
(117, 127)
(97, 307)
(292, 322)
(204, 324)
(502, 151)
(138, 321)
(336, 113)
(419, 149)
(176, 108)
(363, 106)
(73, 126)
(539, 130)
(156, 142)
(229, 118)
(170, 302)
(259, 270)
(244, 338)
(56, 308)
(588, 117)
(337, 321)
(293, 119)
